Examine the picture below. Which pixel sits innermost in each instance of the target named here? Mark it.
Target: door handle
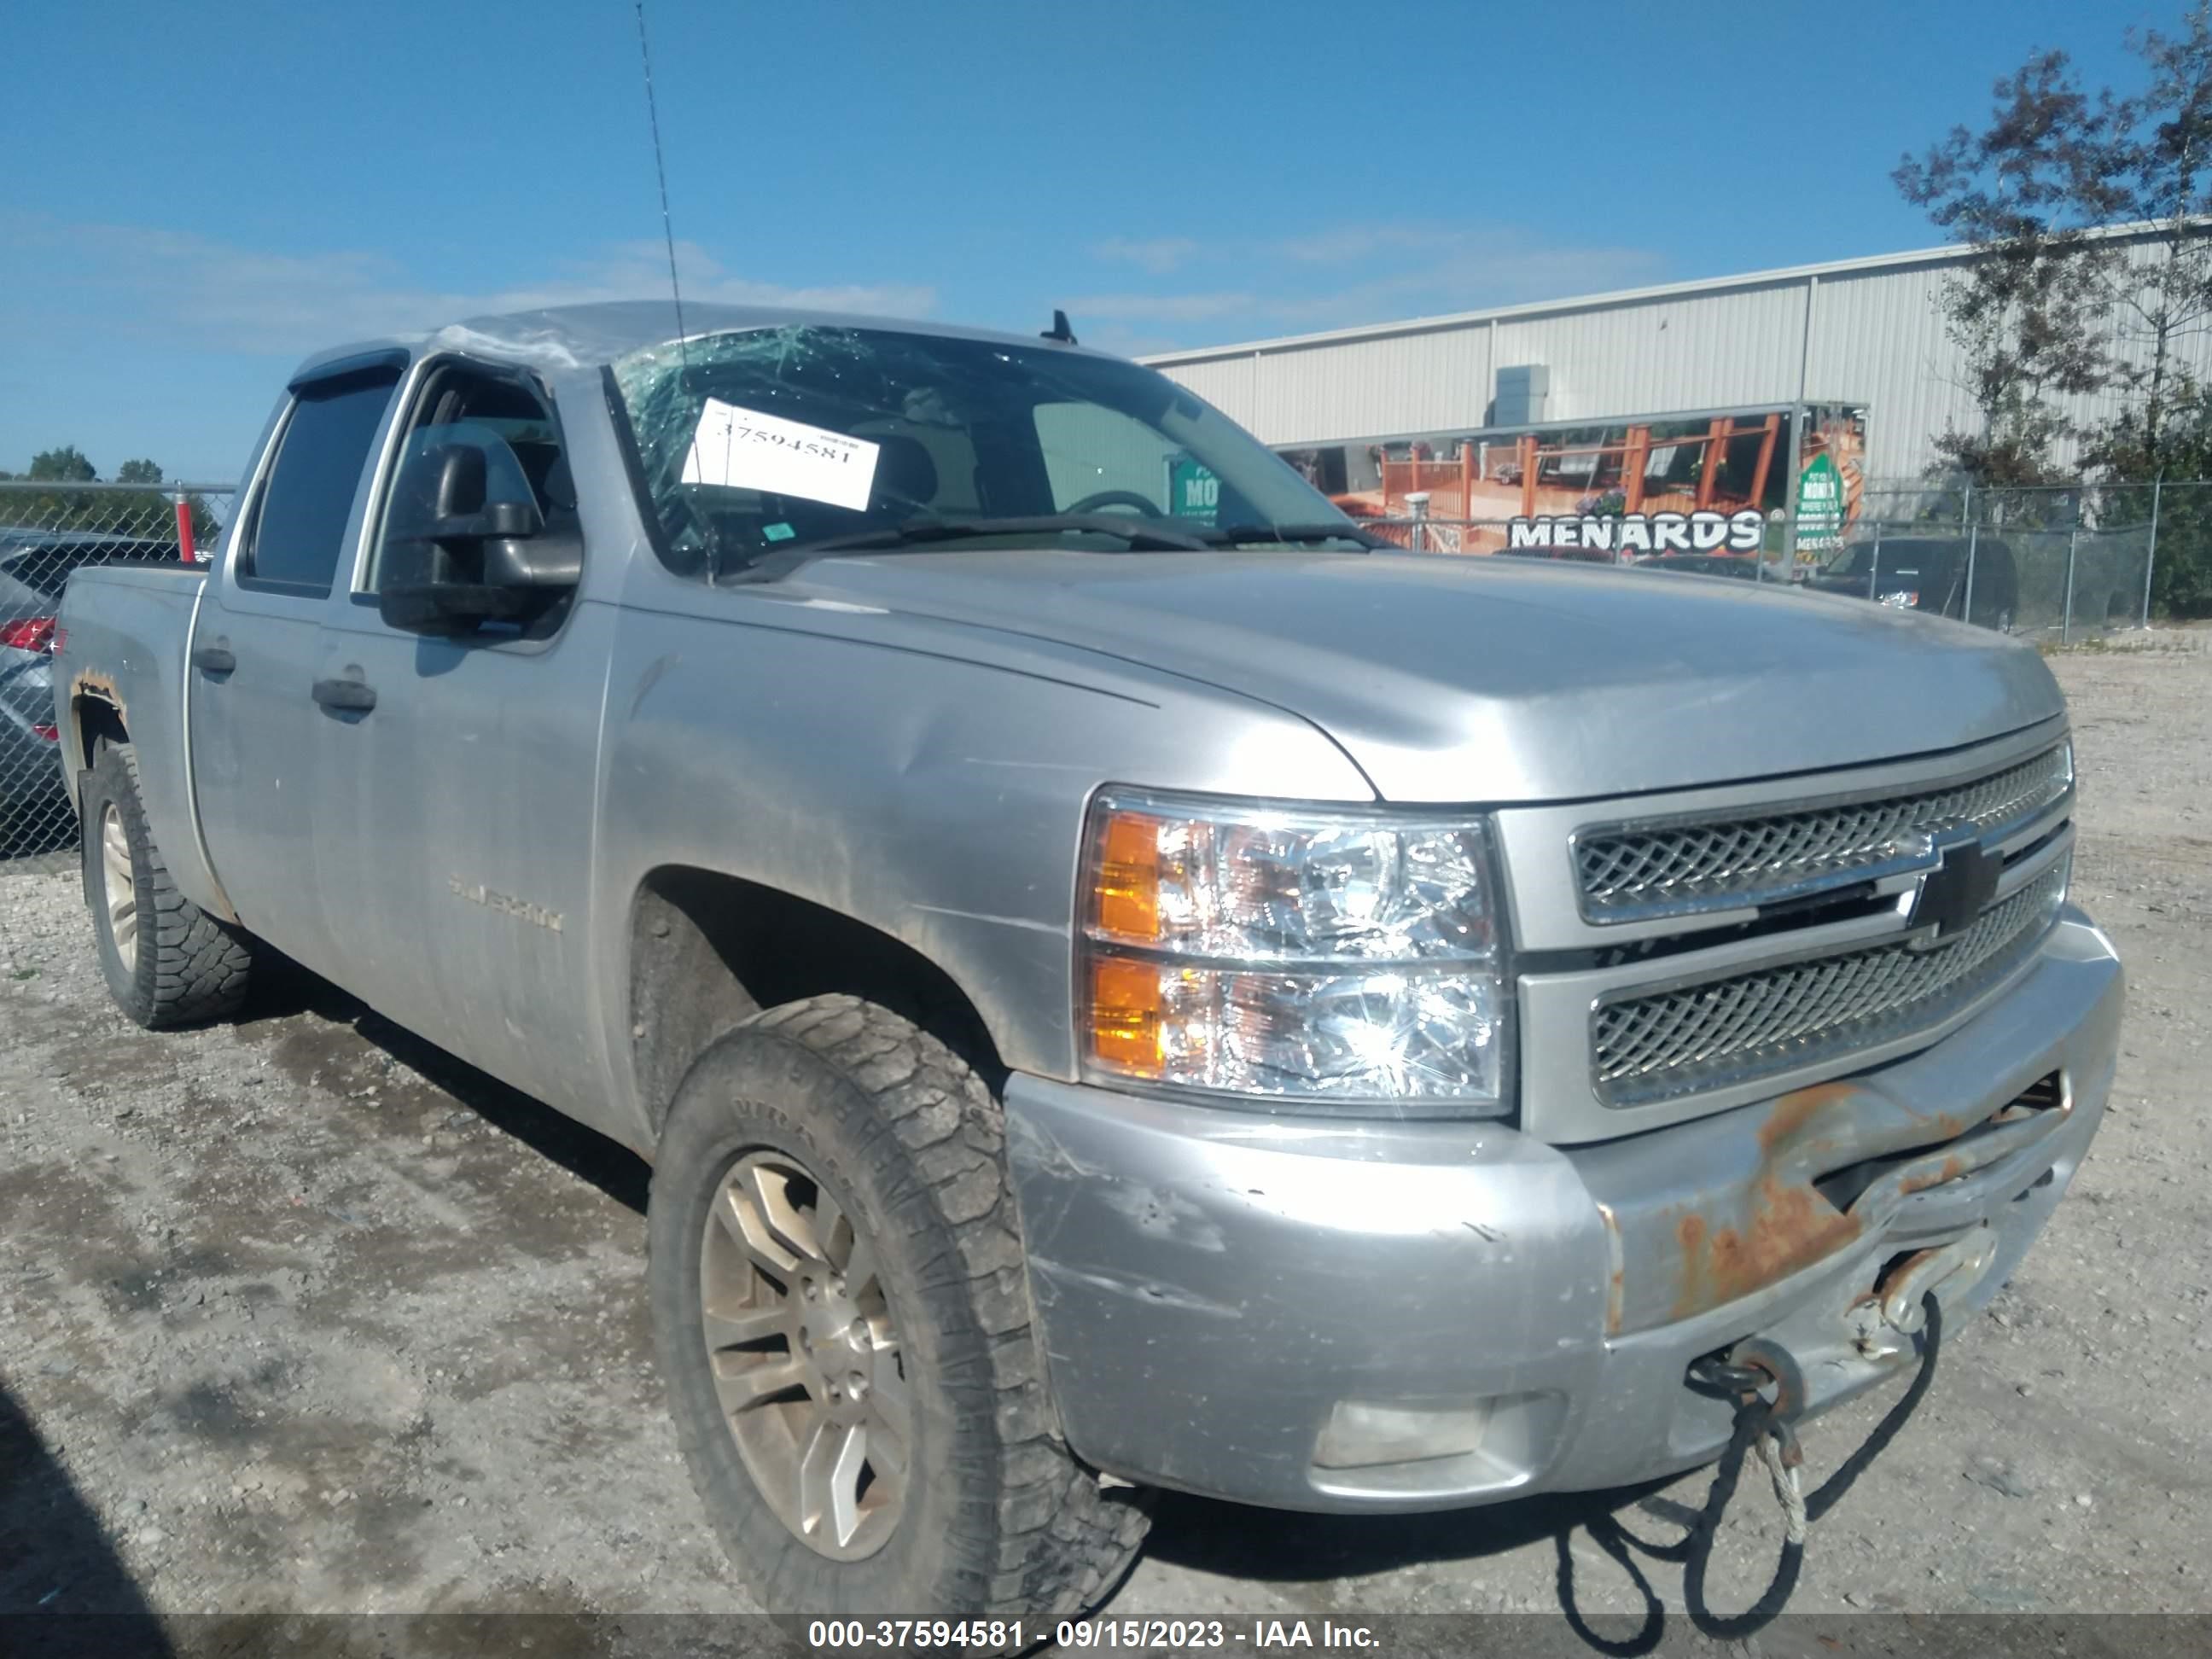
(214, 659)
(351, 697)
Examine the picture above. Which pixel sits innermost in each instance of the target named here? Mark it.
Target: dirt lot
(296, 1315)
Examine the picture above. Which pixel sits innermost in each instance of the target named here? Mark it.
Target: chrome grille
(1632, 874)
(1749, 1025)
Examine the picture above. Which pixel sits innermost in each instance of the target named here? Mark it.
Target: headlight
(1344, 961)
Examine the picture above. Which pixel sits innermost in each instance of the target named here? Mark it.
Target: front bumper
(1212, 1286)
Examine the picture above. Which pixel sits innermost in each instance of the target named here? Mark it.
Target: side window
(504, 417)
(1090, 451)
(300, 519)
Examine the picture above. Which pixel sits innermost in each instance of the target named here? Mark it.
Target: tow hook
(1898, 1306)
(1742, 1374)
(1748, 1368)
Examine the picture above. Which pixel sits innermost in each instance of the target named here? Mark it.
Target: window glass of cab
(299, 523)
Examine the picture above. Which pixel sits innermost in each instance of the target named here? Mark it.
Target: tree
(2030, 191)
(2055, 307)
(2165, 162)
(72, 506)
(64, 465)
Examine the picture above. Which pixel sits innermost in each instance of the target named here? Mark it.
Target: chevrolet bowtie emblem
(1956, 892)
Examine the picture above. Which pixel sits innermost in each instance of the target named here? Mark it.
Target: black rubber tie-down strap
(1754, 1420)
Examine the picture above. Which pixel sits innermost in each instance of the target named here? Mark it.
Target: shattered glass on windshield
(765, 442)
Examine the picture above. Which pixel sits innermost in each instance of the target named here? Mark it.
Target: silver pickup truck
(1123, 981)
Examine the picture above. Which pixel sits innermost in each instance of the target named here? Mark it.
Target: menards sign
(1639, 533)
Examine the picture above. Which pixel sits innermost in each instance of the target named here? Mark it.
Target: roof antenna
(661, 169)
(1060, 330)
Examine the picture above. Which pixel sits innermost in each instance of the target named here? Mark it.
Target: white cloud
(1345, 275)
(1162, 308)
(219, 294)
(1157, 254)
(631, 270)
(1346, 243)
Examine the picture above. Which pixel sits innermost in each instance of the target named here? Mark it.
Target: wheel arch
(96, 719)
(707, 949)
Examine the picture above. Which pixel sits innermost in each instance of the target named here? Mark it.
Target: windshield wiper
(1247, 535)
(1138, 534)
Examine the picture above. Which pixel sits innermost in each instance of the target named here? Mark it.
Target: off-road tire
(999, 1520)
(189, 967)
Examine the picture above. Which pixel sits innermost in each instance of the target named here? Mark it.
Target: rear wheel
(167, 961)
(844, 1328)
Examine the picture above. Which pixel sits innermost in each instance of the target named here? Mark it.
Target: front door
(456, 806)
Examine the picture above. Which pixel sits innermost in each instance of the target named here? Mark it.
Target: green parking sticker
(1193, 491)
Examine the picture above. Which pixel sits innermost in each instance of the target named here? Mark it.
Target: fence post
(1417, 505)
(2072, 540)
(1973, 536)
(1874, 575)
(186, 553)
(2150, 554)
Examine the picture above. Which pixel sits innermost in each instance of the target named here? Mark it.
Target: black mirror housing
(465, 541)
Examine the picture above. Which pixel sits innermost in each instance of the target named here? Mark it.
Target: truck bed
(126, 632)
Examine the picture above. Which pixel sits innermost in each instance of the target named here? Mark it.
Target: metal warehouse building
(1862, 333)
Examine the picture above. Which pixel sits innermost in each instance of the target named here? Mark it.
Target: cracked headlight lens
(1323, 959)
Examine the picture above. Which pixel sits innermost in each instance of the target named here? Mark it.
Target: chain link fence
(2059, 564)
(47, 531)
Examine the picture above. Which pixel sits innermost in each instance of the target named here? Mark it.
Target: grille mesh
(1679, 867)
(1735, 1029)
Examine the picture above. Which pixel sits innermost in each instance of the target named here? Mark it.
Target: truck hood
(1495, 680)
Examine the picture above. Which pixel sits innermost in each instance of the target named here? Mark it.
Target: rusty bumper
(1232, 1303)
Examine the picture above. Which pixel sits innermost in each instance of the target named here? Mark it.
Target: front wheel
(844, 1329)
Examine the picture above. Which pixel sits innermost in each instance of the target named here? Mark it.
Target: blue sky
(197, 197)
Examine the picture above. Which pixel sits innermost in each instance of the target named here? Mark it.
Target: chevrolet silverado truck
(1112, 1001)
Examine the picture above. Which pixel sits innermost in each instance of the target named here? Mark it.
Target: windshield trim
(640, 493)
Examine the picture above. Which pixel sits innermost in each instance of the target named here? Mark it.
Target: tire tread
(1053, 1539)
(200, 967)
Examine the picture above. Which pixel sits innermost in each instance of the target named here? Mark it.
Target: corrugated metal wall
(1877, 339)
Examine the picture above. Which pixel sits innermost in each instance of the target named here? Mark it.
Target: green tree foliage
(64, 465)
(2181, 573)
(138, 512)
(2165, 164)
(2029, 189)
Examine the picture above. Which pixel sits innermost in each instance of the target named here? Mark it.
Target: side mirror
(465, 542)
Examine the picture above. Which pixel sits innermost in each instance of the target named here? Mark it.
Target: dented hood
(1492, 679)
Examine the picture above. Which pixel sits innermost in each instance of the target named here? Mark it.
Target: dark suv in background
(1928, 573)
(33, 566)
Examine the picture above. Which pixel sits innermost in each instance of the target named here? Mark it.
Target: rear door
(256, 723)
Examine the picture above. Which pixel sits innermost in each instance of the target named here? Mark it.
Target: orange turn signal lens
(1126, 886)
(1125, 1015)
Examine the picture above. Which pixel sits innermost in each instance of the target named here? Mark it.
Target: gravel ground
(297, 1315)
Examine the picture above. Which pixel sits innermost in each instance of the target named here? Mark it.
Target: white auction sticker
(743, 449)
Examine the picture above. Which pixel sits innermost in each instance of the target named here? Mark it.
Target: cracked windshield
(776, 440)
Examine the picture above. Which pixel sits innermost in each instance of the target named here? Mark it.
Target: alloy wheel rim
(806, 1362)
(120, 887)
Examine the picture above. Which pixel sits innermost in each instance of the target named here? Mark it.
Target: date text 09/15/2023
(1145, 1634)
